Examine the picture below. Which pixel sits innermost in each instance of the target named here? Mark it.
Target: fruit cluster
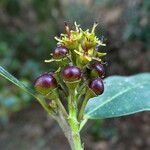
(80, 67)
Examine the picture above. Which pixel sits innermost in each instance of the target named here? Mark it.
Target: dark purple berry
(71, 73)
(99, 68)
(97, 86)
(60, 52)
(45, 83)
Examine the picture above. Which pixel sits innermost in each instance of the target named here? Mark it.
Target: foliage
(138, 25)
(12, 6)
(21, 48)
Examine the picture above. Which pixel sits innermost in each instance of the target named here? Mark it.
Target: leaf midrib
(109, 100)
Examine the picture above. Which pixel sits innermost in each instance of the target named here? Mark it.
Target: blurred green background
(27, 28)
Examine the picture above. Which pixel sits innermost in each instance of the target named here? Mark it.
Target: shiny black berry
(45, 83)
(97, 86)
(71, 73)
(99, 68)
(60, 52)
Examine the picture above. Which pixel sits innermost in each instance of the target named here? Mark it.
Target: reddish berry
(71, 73)
(97, 86)
(45, 83)
(60, 52)
(99, 68)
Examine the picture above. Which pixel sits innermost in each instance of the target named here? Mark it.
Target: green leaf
(122, 96)
(15, 81)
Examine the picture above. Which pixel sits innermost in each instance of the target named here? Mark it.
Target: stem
(83, 123)
(68, 123)
(73, 122)
(58, 102)
(61, 107)
(73, 139)
(82, 109)
(65, 128)
(87, 97)
(45, 106)
(77, 141)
